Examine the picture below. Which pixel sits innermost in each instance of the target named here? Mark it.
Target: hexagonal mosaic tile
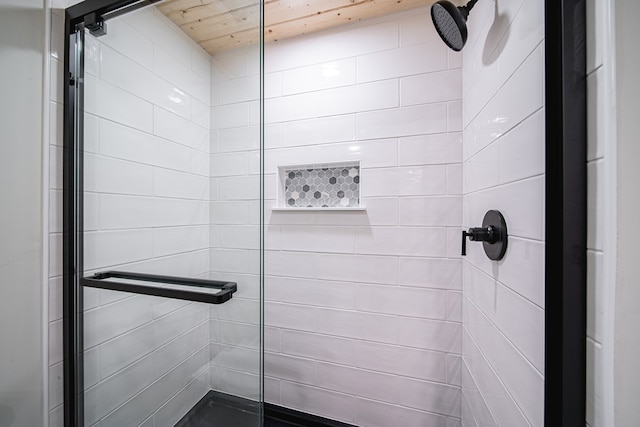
(326, 187)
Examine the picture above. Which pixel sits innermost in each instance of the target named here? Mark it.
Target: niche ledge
(358, 209)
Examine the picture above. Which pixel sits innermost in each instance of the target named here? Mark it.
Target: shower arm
(464, 10)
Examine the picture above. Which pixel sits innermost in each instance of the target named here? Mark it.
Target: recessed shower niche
(324, 186)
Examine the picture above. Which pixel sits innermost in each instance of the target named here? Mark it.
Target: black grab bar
(98, 280)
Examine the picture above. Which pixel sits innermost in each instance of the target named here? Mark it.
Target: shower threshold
(217, 409)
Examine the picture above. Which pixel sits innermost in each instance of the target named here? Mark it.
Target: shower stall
(263, 203)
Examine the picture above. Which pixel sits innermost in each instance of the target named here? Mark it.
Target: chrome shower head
(451, 22)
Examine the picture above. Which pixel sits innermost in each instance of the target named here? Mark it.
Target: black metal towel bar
(181, 291)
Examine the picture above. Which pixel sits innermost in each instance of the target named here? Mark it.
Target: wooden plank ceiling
(219, 25)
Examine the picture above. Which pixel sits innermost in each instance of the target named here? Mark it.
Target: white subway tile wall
(363, 309)
(147, 189)
(503, 150)
(599, 111)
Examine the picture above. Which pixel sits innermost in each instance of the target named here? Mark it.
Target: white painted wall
(362, 309)
(503, 169)
(613, 346)
(21, 294)
(627, 316)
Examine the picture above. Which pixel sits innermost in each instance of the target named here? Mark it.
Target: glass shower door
(167, 286)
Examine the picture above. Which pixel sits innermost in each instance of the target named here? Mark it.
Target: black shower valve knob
(493, 234)
(483, 234)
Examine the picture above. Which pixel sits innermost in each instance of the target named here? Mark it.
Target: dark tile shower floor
(221, 410)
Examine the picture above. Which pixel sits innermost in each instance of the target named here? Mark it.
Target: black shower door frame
(565, 214)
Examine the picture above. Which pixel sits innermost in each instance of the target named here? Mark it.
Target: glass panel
(372, 316)
(172, 186)
(363, 280)
(146, 358)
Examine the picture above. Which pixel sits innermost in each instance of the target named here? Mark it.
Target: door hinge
(95, 24)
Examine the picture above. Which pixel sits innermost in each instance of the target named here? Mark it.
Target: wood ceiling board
(278, 11)
(168, 7)
(336, 17)
(224, 24)
(200, 12)
(232, 41)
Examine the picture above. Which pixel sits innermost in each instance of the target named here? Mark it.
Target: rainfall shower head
(451, 22)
